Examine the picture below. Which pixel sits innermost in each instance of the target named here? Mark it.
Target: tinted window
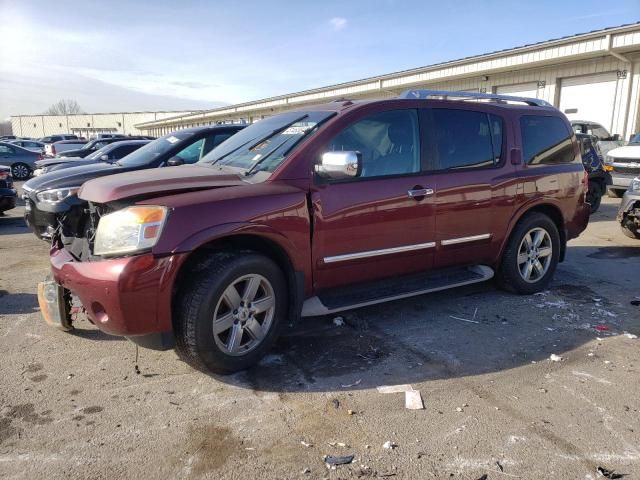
(545, 140)
(462, 139)
(6, 151)
(212, 141)
(388, 143)
(125, 150)
(151, 151)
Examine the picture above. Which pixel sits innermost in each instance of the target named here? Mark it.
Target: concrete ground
(496, 406)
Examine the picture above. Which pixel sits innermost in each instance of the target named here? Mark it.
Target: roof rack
(424, 94)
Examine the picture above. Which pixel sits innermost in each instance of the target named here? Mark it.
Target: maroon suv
(320, 210)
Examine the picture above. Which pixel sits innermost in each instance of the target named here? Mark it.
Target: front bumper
(40, 222)
(621, 181)
(127, 296)
(629, 202)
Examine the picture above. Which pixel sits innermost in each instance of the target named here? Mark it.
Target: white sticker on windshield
(296, 130)
(172, 139)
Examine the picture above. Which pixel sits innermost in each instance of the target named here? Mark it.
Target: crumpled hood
(160, 181)
(630, 151)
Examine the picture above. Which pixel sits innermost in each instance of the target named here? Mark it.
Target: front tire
(229, 312)
(531, 256)
(20, 171)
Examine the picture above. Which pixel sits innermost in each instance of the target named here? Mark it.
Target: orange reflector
(608, 168)
(148, 214)
(151, 232)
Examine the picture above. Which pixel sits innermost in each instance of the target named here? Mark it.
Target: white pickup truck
(56, 148)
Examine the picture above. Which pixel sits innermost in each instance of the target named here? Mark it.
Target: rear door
(380, 223)
(475, 188)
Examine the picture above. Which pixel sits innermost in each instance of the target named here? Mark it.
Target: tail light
(585, 182)
(39, 157)
(4, 175)
(53, 149)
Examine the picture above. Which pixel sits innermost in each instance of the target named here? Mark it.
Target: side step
(365, 294)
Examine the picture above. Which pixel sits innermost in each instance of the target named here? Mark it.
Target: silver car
(21, 160)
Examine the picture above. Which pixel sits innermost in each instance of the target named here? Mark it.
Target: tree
(64, 107)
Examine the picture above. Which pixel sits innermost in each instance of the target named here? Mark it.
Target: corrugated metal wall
(85, 124)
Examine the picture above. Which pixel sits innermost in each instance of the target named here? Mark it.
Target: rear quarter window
(546, 141)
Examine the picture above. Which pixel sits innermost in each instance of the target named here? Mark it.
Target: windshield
(154, 149)
(635, 139)
(265, 144)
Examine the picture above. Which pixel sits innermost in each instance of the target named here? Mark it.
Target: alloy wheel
(535, 254)
(20, 172)
(244, 314)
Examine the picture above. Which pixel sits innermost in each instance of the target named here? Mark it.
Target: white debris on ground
(412, 397)
(389, 445)
(555, 358)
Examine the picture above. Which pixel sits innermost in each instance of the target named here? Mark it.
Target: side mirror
(175, 162)
(339, 165)
(615, 137)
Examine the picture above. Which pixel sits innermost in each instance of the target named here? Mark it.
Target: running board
(371, 293)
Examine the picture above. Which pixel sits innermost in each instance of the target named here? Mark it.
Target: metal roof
(484, 56)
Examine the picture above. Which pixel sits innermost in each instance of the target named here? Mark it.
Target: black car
(593, 163)
(109, 153)
(50, 197)
(7, 192)
(97, 144)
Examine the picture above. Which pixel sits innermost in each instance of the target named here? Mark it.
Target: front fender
(228, 231)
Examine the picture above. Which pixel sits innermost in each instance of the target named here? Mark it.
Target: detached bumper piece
(54, 306)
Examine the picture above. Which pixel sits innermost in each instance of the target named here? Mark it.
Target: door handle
(420, 192)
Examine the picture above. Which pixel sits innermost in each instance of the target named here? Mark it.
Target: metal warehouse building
(85, 124)
(591, 76)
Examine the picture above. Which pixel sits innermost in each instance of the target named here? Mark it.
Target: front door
(380, 223)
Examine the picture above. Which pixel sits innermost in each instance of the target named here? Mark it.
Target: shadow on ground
(17, 303)
(417, 340)
(11, 225)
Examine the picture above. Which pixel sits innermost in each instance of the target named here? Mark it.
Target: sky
(122, 55)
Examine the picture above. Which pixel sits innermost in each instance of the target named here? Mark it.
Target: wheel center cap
(243, 313)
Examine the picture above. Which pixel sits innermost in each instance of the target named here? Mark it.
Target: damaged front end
(629, 211)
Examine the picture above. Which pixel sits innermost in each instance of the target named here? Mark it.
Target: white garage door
(591, 97)
(529, 89)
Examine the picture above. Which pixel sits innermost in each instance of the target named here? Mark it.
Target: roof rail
(424, 94)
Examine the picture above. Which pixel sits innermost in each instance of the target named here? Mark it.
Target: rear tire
(229, 312)
(20, 171)
(614, 193)
(531, 256)
(594, 196)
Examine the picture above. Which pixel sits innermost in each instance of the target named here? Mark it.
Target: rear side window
(463, 139)
(212, 141)
(546, 141)
(124, 150)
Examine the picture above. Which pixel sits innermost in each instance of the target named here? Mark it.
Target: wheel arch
(250, 242)
(550, 210)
